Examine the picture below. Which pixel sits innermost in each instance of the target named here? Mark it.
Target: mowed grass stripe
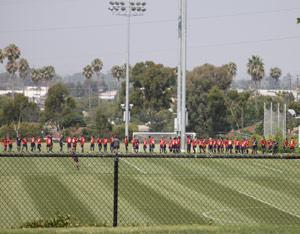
(159, 208)
(50, 196)
(234, 199)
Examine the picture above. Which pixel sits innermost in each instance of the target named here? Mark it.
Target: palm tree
(2, 57)
(232, 69)
(275, 73)
(24, 69)
(257, 71)
(36, 77)
(12, 53)
(118, 72)
(88, 74)
(97, 66)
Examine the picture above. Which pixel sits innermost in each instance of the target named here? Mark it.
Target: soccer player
(188, 144)
(39, 144)
(18, 142)
(48, 144)
(82, 142)
(263, 144)
(32, 144)
(5, 144)
(61, 143)
(111, 144)
(10, 144)
(292, 145)
(69, 143)
(105, 141)
(126, 143)
(24, 144)
(99, 143)
(161, 145)
(151, 144)
(92, 144)
(194, 144)
(254, 146)
(135, 144)
(230, 146)
(74, 142)
(170, 145)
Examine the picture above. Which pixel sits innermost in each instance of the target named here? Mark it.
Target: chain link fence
(150, 190)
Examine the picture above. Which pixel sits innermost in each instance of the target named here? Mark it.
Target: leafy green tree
(60, 108)
(153, 86)
(199, 82)
(217, 121)
(103, 126)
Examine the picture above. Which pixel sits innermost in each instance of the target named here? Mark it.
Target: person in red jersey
(161, 145)
(165, 146)
(48, 143)
(145, 145)
(24, 144)
(292, 145)
(74, 142)
(92, 144)
(82, 142)
(270, 145)
(5, 144)
(105, 142)
(263, 144)
(210, 145)
(39, 144)
(32, 144)
(230, 145)
(194, 145)
(69, 143)
(126, 143)
(151, 144)
(10, 144)
(99, 143)
(188, 144)
(135, 144)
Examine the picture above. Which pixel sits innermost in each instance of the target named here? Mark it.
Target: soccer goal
(158, 135)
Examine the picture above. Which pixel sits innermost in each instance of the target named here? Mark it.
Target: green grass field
(151, 191)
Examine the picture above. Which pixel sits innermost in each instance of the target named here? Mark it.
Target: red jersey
(161, 142)
(82, 140)
(292, 144)
(24, 141)
(105, 141)
(48, 141)
(126, 141)
(92, 140)
(152, 141)
(32, 140)
(194, 142)
(69, 140)
(263, 142)
(99, 141)
(189, 141)
(39, 141)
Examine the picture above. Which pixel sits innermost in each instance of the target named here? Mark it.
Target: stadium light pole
(183, 71)
(128, 9)
(179, 71)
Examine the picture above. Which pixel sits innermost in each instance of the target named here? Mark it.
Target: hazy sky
(68, 34)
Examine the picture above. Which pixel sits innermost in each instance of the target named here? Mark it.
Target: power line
(145, 22)
(236, 43)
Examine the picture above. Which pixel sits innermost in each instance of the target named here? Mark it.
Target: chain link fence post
(116, 184)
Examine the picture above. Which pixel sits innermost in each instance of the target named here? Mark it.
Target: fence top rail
(148, 155)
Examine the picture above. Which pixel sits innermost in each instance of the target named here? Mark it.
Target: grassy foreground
(165, 229)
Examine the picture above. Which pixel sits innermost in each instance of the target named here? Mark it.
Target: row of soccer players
(215, 145)
(171, 144)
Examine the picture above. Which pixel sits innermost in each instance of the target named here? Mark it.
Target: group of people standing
(171, 145)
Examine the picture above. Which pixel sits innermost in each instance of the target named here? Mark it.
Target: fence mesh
(151, 190)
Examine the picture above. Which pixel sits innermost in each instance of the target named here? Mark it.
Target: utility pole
(183, 85)
(179, 71)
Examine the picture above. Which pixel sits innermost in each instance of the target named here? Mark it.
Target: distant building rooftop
(109, 95)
